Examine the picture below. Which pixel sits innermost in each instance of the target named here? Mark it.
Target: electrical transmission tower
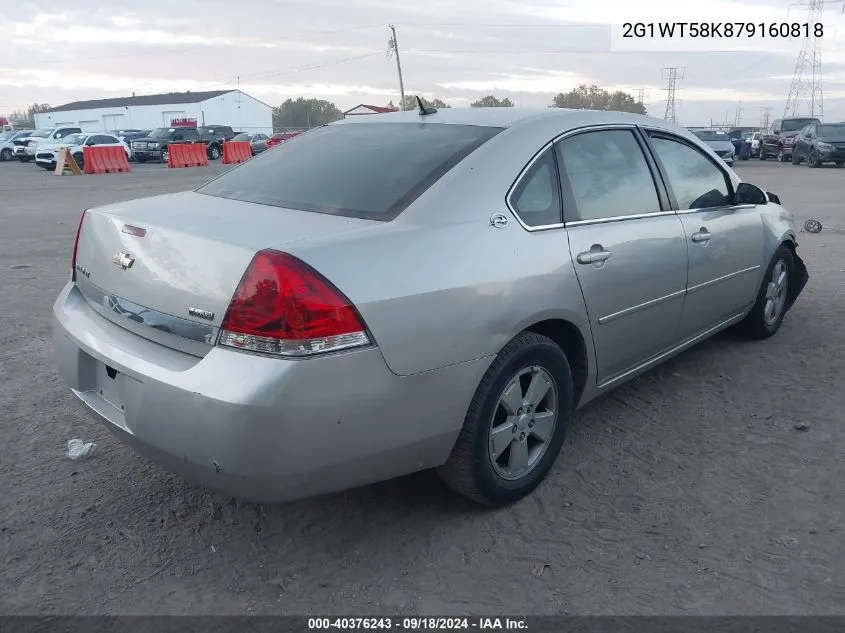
(672, 74)
(805, 93)
(764, 120)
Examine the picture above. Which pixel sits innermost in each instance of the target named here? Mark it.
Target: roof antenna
(423, 109)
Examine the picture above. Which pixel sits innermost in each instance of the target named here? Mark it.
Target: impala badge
(202, 314)
(123, 260)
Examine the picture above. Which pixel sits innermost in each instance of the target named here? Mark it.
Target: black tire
(165, 154)
(755, 325)
(812, 160)
(213, 152)
(469, 469)
(80, 160)
(5, 154)
(795, 159)
(141, 159)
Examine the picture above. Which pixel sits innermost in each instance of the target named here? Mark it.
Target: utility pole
(672, 74)
(738, 115)
(393, 47)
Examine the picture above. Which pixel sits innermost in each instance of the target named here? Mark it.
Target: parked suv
(214, 136)
(820, 143)
(26, 148)
(155, 145)
(7, 142)
(780, 137)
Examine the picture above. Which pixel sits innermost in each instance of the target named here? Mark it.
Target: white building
(218, 107)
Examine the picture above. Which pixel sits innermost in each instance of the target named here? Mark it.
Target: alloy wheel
(523, 423)
(776, 292)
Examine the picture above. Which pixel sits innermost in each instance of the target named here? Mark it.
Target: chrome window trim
(731, 207)
(620, 218)
(171, 331)
(632, 127)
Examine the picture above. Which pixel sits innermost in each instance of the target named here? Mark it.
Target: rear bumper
(261, 429)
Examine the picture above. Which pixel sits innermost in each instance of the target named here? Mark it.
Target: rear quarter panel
(439, 285)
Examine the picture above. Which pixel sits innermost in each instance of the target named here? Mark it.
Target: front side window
(365, 170)
(608, 174)
(697, 182)
(536, 199)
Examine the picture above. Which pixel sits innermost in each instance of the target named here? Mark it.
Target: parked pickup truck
(154, 146)
(779, 139)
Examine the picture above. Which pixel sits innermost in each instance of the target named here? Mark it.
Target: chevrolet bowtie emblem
(123, 260)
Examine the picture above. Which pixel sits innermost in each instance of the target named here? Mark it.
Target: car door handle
(593, 256)
(703, 236)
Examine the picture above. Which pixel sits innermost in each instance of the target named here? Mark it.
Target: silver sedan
(413, 290)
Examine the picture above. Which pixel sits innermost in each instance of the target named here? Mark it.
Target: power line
(170, 51)
(272, 73)
(672, 74)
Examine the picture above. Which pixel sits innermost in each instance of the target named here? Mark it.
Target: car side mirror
(747, 193)
(89, 142)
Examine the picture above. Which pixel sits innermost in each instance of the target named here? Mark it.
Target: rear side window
(370, 170)
(536, 198)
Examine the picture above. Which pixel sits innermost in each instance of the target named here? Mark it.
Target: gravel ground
(708, 486)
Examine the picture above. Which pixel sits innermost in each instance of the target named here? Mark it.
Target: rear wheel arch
(568, 338)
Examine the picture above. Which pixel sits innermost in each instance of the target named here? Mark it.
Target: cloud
(528, 51)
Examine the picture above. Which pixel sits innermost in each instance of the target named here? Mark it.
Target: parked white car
(25, 149)
(47, 153)
(7, 145)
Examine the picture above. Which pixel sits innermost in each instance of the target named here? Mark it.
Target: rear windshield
(831, 130)
(370, 170)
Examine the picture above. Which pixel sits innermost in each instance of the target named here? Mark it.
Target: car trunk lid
(173, 262)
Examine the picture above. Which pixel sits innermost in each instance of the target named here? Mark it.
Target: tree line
(307, 113)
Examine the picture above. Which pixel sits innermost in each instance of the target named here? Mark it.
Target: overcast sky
(459, 50)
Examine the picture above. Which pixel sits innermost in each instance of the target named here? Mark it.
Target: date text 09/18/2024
(418, 623)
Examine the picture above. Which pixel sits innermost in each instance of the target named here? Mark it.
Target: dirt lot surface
(712, 485)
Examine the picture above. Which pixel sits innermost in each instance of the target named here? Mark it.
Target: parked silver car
(720, 143)
(409, 291)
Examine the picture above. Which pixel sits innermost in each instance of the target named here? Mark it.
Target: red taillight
(76, 246)
(283, 306)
